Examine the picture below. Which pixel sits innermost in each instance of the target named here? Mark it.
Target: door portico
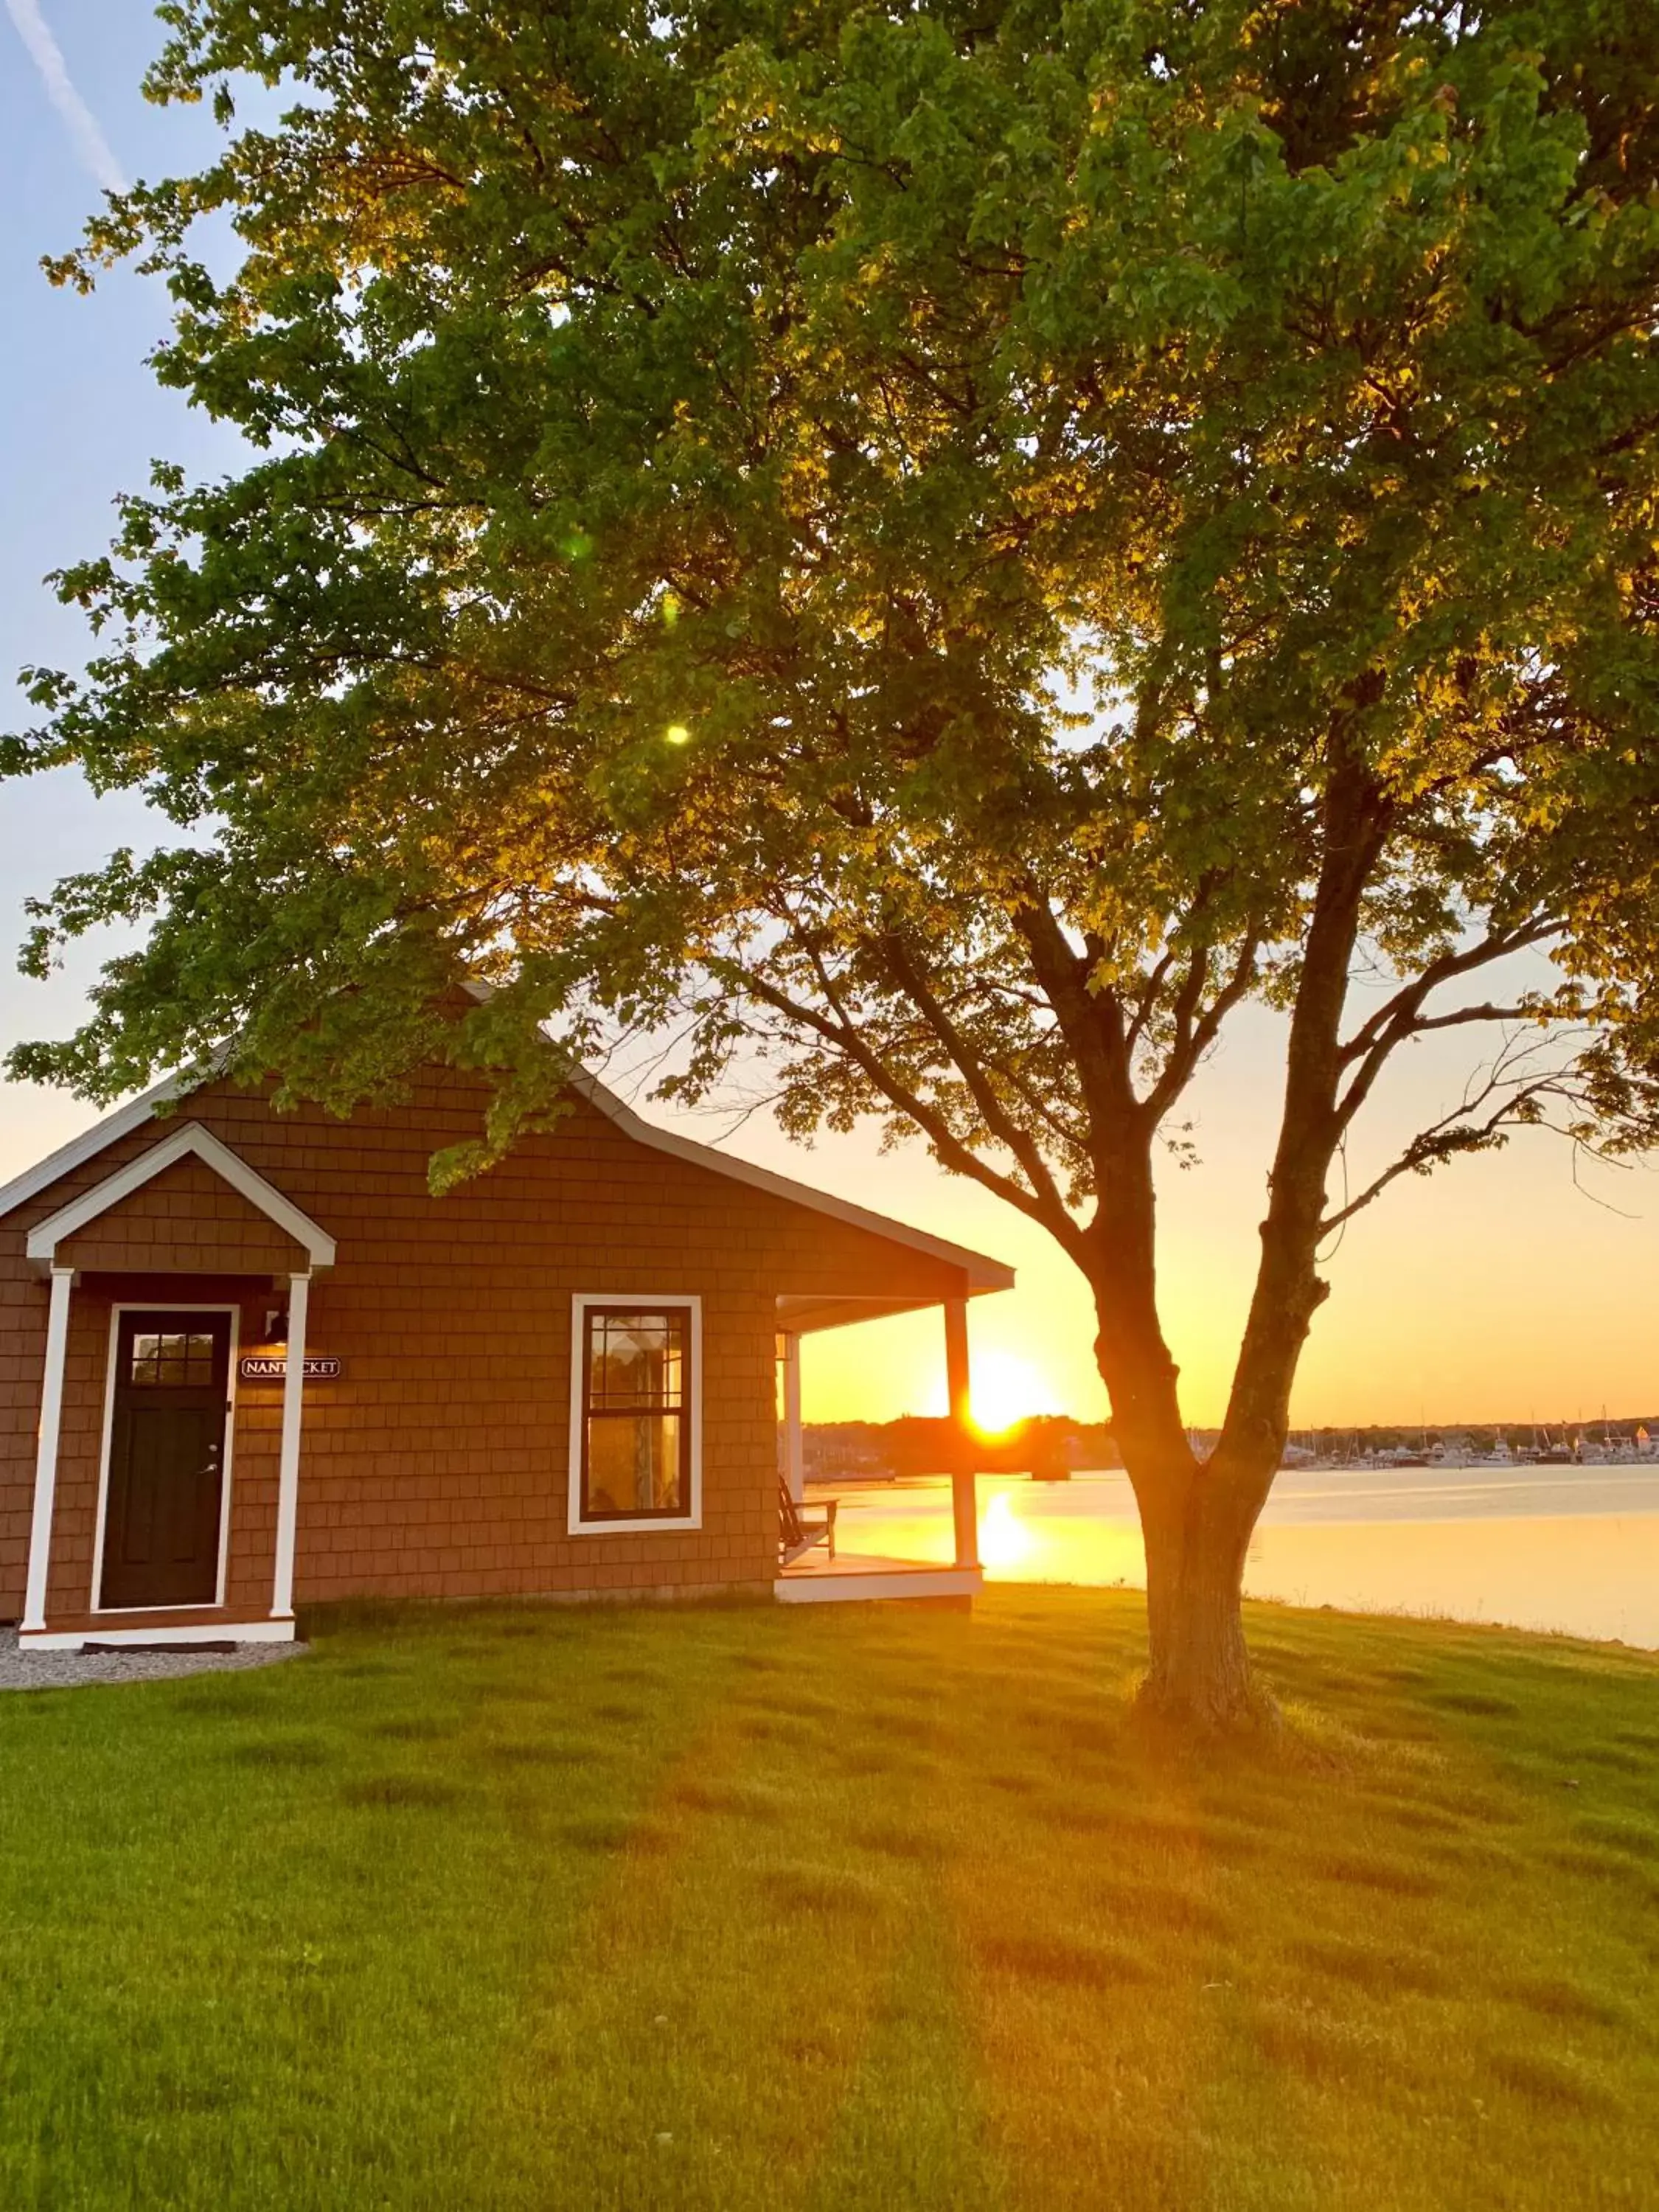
(164, 1491)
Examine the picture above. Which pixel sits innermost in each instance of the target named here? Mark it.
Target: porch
(816, 1568)
(853, 1577)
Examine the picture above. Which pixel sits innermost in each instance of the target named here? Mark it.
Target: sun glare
(1003, 1539)
(1007, 1390)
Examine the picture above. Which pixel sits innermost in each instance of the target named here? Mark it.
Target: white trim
(794, 1450)
(881, 1582)
(287, 1486)
(983, 1273)
(166, 1305)
(958, 1390)
(45, 1448)
(645, 1301)
(90, 1142)
(45, 1237)
(206, 1632)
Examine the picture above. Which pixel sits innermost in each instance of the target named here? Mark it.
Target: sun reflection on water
(1578, 1554)
(1004, 1541)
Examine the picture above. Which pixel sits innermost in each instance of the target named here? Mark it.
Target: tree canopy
(944, 549)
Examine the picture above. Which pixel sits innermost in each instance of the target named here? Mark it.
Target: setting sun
(1007, 1390)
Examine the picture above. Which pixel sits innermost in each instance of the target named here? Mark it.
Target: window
(634, 1436)
(164, 1359)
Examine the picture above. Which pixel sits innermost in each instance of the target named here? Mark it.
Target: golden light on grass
(997, 1951)
(677, 734)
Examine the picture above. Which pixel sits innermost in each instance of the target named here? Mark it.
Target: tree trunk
(1196, 1532)
(1196, 1520)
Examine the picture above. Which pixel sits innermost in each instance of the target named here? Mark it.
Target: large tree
(944, 548)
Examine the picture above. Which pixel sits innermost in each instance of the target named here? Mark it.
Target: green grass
(833, 1907)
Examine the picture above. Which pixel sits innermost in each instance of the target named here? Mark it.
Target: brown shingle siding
(436, 1465)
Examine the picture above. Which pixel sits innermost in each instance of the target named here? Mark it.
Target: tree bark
(1198, 1670)
(1199, 1676)
(1289, 1291)
(1196, 1520)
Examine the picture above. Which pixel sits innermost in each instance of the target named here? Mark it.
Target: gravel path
(65, 1670)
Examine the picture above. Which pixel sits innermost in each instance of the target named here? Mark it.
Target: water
(1575, 1549)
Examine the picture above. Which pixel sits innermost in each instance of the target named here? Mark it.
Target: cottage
(247, 1361)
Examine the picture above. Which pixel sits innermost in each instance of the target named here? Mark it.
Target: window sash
(660, 1404)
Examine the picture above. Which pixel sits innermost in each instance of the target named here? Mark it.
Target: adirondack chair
(801, 1526)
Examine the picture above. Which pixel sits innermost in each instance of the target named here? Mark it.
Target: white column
(794, 1449)
(964, 1505)
(287, 1487)
(46, 1449)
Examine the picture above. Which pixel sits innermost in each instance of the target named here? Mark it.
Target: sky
(1507, 1287)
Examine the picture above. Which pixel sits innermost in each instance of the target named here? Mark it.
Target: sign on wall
(272, 1367)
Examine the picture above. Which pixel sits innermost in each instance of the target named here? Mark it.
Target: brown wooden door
(167, 1460)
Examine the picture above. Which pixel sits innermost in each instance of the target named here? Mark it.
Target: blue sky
(1497, 1290)
(82, 419)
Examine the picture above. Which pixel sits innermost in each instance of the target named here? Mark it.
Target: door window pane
(171, 1358)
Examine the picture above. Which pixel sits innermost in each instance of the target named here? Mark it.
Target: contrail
(47, 57)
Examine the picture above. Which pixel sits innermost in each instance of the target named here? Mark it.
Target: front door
(167, 1460)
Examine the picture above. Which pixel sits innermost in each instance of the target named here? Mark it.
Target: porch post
(45, 1451)
(287, 1487)
(964, 1505)
(794, 1450)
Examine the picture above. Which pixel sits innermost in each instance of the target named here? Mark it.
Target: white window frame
(167, 1305)
(581, 1304)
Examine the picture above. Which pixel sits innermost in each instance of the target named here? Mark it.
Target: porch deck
(854, 1578)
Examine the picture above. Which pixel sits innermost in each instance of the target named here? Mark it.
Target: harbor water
(1568, 1548)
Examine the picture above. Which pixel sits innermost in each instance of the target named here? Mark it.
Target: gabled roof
(982, 1272)
(191, 1140)
(90, 1142)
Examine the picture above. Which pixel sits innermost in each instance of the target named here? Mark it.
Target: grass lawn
(833, 1907)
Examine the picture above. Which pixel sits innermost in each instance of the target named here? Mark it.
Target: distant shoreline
(875, 1479)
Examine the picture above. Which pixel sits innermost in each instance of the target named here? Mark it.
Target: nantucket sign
(272, 1367)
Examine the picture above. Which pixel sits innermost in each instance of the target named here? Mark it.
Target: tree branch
(1450, 965)
(1091, 1023)
(969, 1066)
(1398, 1018)
(1467, 1014)
(1457, 1132)
(1195, 1038)
(845, 1039)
